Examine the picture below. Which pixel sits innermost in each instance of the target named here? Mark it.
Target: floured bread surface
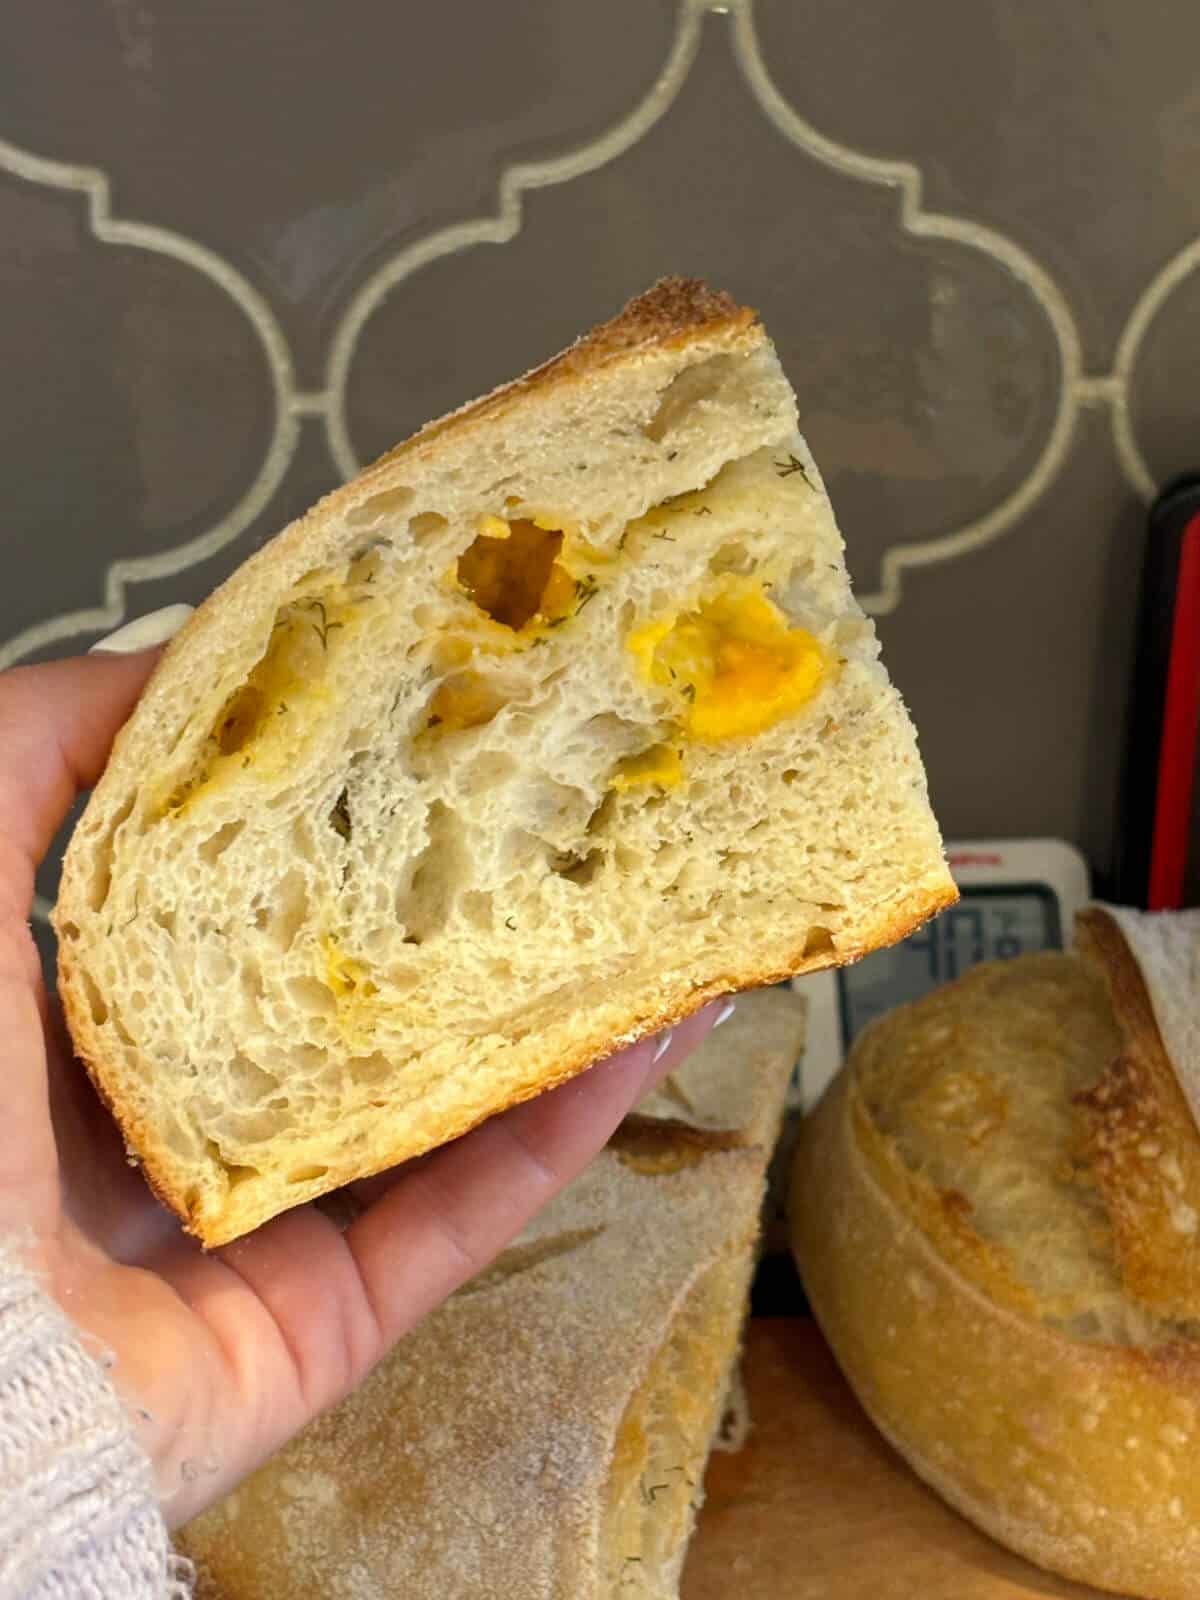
(554, 724)
(543, 1435)
(995, 1211)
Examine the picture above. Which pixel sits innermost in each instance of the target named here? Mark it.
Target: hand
(222, 1356)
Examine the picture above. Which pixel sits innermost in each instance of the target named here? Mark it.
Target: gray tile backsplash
(244, 247)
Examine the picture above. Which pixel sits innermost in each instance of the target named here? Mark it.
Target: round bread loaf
(995, 1209)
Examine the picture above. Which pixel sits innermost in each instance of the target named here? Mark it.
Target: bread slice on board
(543, 1435)
(557, 722)
(996, 1212)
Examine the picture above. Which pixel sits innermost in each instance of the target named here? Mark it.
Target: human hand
(222, 1356)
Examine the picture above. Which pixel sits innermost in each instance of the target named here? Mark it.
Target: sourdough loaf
(995, 1210)
(554, 724)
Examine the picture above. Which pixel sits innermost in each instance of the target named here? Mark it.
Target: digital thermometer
(1016, 895)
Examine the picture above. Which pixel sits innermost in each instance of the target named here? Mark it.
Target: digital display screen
(987, 924)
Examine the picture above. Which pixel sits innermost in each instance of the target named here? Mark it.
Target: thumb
(57, 724)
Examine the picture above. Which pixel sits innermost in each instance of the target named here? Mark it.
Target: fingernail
(143, 633)
(663, 1045)
(725, 1013)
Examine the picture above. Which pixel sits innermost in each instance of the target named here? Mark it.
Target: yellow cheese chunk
(344, 974)
(660, 765)
(733, 661)
(355, 994)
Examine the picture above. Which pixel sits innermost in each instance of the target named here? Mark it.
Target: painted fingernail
(143, 633)
(663, 1045)
(725, 1013)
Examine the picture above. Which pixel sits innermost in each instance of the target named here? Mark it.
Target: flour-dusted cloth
(79, 1516)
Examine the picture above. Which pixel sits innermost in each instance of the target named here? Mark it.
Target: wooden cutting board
(817, 1507)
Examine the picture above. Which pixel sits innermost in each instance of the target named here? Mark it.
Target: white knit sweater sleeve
(79, 1517)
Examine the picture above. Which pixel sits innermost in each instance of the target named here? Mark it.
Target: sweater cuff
(79, 1516)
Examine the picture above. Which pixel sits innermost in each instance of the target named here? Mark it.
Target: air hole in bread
(578, 869)
(732, 557)
(691, 388)
(442, 868)
(790, 775)
(234, 1172)
(819, 943)
(339, 816)
(307, 1174)
(217, 843)
(96, 1005)
(101, 876)
(464, 700)
(425, 524)
(250, 1082)
(370, 1069)
(512, 574)
(259, 719)
(290, 909)
(388, 503)
(240, 719)
(312, 996)
(68, 930)
(164, 917)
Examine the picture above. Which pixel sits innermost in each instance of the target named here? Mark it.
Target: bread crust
(1143, 1143)
(1078, 1453)
(676, 313)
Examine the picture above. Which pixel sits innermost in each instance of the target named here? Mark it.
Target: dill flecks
(324, 627)
(785, 469)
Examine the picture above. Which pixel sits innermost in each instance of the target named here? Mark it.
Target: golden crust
(671, 313)
(1142, 1144)
(1076, 1451)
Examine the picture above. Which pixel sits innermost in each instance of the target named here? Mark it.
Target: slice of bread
(553, 725)
(996, 1212)
(543, 1435)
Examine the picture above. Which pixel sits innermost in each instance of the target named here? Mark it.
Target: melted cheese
(732, 661)
(354, 993)
(261, 723)
(659, 765)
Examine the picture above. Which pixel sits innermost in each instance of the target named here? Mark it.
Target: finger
(28, 1165)
(57, 725)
